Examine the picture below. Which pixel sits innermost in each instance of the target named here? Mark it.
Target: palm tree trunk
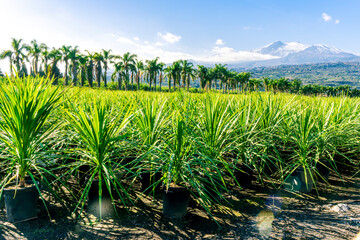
(150, 84)
(89, 71)
(155, 82)
(169, 83)
(138, 82)
(18, 64)
(11, 69)
(66, 75)
(36, 65)
(98, 74)
(119, 81)
(132, 81)
(126, 80)
(74, 72)
(83, 72)
(105, 76)
(188, 83)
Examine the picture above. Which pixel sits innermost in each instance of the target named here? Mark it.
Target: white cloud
(337, 21)
(326, 17)
(246, 28)
(136, 38)
(169, 37)
(219, 42)
(227, 55)
(159, 44)
(218, 54)
(125, 40)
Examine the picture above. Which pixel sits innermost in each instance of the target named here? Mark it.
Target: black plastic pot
(148, 180)
(93, 203)
(323, 169)
(94, 191)
(244, 175)
(2, 203)
(21, 203)
(83, 174)
(175, 202)
(302, 180)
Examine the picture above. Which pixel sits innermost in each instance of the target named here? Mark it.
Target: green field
(73, 143)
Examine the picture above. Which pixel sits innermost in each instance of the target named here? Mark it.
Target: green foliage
(97, 127)
(26, 108)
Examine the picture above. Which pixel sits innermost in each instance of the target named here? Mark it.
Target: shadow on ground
(255, 213)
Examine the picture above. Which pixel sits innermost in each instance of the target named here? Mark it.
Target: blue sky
(204, 30)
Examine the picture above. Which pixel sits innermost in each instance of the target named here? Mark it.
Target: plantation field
(252, 165)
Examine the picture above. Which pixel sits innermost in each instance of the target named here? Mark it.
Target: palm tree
(187, 72)
(153, 68)
(203, 74)
(296, 85)
(266, 83)
(168, 75)
(54, 73)
(128, 61)
(225, 78)
(73, 57)
(161, 76)
(243, 79)
(148, 73)
(284, 84)
(255, 84)
(232, 81)
(212, 77)
(34, 51)
(132, 75)
(65, 51)
(90, 68)
(176, 73)
(83, 61)
(16, 55)
(139, 72)
(106, 58)
(98, 59)
(45, 58)
(219, 74)
(8, 54)
(119, 72)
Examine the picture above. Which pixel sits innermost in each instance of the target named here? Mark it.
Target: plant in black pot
(98, 126)
(25, 130)
(150, 122)
(213, 130)
(184, 171)
(310, 135)
(300, 135)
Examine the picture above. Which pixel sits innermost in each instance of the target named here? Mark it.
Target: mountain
(281, 49)
(293, 53)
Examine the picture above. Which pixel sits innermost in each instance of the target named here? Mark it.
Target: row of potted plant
(188, 145)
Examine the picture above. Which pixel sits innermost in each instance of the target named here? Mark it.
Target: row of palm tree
(93, 66)
(130, 72)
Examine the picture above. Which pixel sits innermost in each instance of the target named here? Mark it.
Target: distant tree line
(90, 69)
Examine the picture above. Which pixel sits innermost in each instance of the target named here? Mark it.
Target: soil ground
(255, 213)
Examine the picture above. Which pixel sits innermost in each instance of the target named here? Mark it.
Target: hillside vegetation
(328, 74)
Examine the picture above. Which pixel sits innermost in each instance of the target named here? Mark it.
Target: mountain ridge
(293, 53)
